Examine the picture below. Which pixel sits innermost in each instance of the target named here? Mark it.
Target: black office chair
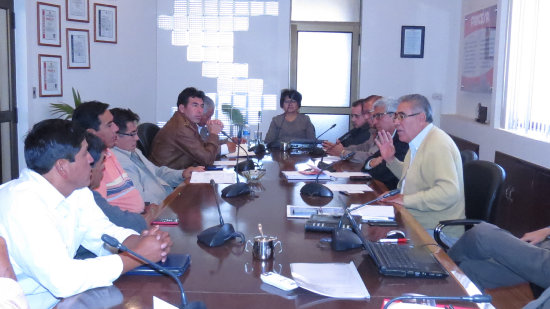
(146, 133)
(468, 155)
(482, 183)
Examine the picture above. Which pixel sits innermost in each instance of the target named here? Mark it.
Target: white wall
(121, 74)
(384, 72)
(489, 136)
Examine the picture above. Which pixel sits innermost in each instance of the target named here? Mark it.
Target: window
(528, 64)
(325, 60)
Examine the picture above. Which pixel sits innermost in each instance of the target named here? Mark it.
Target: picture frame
(50, 76)
(77, 10)
(78, 48)
(105, 23)
(412, 41)
(48, 17)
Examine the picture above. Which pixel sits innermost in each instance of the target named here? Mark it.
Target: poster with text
(479, 50)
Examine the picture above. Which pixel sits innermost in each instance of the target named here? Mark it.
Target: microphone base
(194, 305)
(244, 166)
(236, 189)
(344, 239)
(316, 189)
(217, 235)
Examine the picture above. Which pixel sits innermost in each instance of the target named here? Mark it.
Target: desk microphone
(479, 298)
(317, 189)
(344, 239)
(245, 165)
(331, 127)
(217, 235)
(259, 147)
(111, 241)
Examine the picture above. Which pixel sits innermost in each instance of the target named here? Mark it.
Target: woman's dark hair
(51, 140)
(291, 94)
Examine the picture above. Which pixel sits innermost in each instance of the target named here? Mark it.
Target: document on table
(161, 304)
(295, 175)
(305, 212)
(225, 163)
(242, 153)
(337, 280)
(347, 174)
(349, 188)
(218, 176)
(375, 213)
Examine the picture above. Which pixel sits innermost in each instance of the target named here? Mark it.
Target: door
(9, 167)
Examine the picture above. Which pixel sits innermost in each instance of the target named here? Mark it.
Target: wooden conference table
(228, 276)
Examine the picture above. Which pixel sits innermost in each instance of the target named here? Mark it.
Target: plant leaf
(234, 114)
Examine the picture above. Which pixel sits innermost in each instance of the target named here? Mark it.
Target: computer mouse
(395, 234)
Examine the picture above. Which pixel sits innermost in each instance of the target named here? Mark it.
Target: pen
(394, 240)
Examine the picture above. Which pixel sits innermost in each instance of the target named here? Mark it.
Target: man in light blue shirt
(153, 183)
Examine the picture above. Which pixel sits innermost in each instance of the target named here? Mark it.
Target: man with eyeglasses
(154, 183)
(384, 109)
(431, 183)
(116, 187)
(361, 138)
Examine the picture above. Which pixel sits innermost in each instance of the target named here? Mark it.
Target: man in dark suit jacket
(384, 109)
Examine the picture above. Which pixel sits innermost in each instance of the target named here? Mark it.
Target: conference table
(229, 277)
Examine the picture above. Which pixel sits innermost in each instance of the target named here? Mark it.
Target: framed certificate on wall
(78, 49)
(50, 76)
(48, 24)
(105, 23)
(78, 10)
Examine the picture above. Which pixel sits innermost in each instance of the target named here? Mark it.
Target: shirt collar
(126, 152)
(418, 139)
(46, 189)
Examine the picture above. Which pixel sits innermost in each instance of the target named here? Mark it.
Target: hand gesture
(384, 141)
(214, 126)
(188, 171)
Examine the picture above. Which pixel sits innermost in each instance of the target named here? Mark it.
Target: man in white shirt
(48, 212)
(12, 296)
(431, 183)
(154, 183)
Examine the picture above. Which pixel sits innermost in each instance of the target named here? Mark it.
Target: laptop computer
(401, 260)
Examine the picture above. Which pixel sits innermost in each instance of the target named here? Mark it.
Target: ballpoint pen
(393, 240)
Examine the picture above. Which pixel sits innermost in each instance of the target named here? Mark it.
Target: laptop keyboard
(393, 256)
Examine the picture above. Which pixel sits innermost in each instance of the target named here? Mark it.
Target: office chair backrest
(146, 133)
(482, 183)
(468, 155)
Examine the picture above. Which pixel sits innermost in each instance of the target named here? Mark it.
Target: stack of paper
(348, 188)
(375, 213)
(294, 175)
(218, 176)
(242, 153)
(337, 280)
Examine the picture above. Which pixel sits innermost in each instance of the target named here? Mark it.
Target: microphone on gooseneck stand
(317, 189)
(479, 298)
(345, 239)
(319, 152)
(111, 241)
(259, 147)
(244, 165)
(217, 235)
(346, 135)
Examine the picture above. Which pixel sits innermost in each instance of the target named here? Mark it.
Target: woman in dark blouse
(290, 125)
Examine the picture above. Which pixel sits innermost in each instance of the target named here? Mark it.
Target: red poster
(479, 50)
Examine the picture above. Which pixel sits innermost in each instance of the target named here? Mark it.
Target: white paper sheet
(346, 174)
(225, 163)
(161, 304)
(242, 153)
(375, 212)
(350, 188)
(218, 176)
(337, 280)
(294, 175)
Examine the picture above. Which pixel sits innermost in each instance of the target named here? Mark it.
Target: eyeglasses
(378, 116)
(127, 134)
(401, 115)
(290, 102)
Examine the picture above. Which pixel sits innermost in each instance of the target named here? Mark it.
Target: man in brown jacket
(178, 144)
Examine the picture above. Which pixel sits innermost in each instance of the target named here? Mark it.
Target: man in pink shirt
(116, 187)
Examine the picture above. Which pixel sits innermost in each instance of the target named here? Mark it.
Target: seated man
(209, 107)
(153, 183)
(48, 212)
(116, 186)
(431, 182)
(122, 218)
(492, 257)
(12, 295)
(361, 137)
(384, 109)
(178, 144)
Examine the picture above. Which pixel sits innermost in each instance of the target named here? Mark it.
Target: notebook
(402, 260)
(175, 263)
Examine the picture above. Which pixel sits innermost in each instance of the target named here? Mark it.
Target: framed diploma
(48, 24)
(78, 10)
(412, 41)
(105, 23)
(78, 49)
(50, 78)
